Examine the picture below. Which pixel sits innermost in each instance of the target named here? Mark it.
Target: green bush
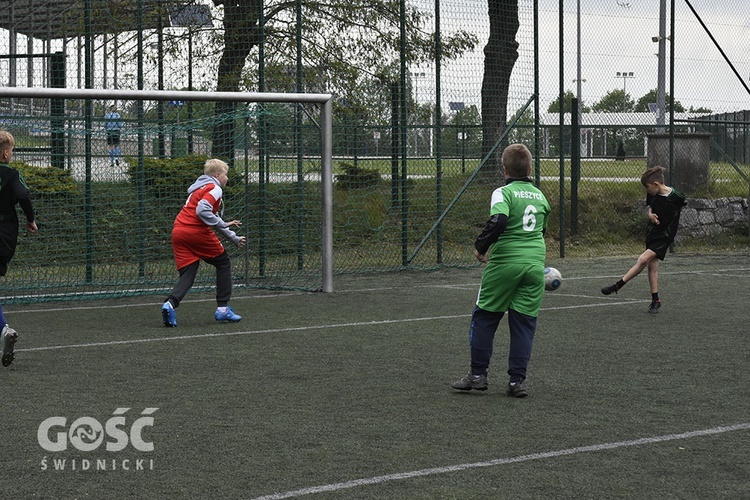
(355, 177)
(47, 181)
(167, 177)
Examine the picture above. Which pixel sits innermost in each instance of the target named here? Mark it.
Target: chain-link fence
(426, 95)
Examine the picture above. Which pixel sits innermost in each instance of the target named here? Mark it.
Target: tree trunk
(500, 55)
(240, 37)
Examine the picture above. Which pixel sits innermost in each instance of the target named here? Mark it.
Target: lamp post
(460, 136)
(578, 79)
(624, 75)
(582, 146)
(661, 76)
(416, 75)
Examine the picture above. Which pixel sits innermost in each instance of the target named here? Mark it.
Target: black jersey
(667, 208)
(13, 190)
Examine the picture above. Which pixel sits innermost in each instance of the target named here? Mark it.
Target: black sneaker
(517, 389)
(608, 290)
(471, 381)
(8, 336)
(654, 307)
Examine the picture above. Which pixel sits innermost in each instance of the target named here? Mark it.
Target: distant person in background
(621, 151)
(113, 124)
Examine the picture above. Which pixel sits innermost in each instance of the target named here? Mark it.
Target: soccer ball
(552, 278)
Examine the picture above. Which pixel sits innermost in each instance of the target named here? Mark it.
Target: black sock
(655, 297)
(620, 284)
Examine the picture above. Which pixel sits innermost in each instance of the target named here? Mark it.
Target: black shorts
(113, 137)
(659, 247)
(8, 243)
(5, 258)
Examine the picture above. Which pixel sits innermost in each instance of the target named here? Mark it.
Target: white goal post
(326, 133)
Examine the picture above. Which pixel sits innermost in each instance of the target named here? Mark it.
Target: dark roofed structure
(57, 19)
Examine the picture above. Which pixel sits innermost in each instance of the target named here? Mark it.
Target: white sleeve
(205, 212)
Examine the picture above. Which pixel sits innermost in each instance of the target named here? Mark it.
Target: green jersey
(528, 211)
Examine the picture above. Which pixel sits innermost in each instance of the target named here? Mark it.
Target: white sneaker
(9, 337)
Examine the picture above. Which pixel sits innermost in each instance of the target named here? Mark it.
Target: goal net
(105, 206)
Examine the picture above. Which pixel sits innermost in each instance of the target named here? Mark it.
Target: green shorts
(512, 286)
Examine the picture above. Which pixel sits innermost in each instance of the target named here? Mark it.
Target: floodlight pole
(661, 73)
(624, 75)
(578, 69)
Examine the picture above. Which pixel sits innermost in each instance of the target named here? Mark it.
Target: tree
(344, 43)
(500, 55)
(650, 97)
(554, 106)
(614, 101)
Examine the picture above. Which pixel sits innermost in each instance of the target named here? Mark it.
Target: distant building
(601, 132)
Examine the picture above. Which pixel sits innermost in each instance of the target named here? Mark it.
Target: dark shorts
(659, 247)
(5, 259)
(8, 242)
(113, 137)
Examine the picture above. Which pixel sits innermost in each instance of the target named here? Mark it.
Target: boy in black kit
(13, 190)
(664, 208)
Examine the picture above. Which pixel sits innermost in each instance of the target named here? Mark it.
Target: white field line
(607, 302)
(712, 272)
(157, 302)
(249, 332)
(455, 286)
(297, 328)
(503, 461)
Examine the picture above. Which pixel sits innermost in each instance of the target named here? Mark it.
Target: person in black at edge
(13, 190)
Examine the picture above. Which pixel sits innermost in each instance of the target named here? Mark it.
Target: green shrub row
(47, 181)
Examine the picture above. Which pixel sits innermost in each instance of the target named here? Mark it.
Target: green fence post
(438, 134)
(404, 185)
(263, 163)
(575, 165)
(89, 112)
(298, 144)
(562, 133)
(57, 111)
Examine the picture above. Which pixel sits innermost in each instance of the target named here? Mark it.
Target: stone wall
(707, 217)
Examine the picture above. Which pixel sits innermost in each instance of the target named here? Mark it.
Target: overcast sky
(616, 38)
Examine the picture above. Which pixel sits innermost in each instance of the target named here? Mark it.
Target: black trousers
(223, 280)
(482, 335)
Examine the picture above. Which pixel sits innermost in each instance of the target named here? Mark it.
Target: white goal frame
(326, 136)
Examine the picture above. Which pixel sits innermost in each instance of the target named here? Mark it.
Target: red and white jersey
(193, 237)
(205, 188)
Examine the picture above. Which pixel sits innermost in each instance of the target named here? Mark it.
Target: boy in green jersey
(664, 209)
(513, 280)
